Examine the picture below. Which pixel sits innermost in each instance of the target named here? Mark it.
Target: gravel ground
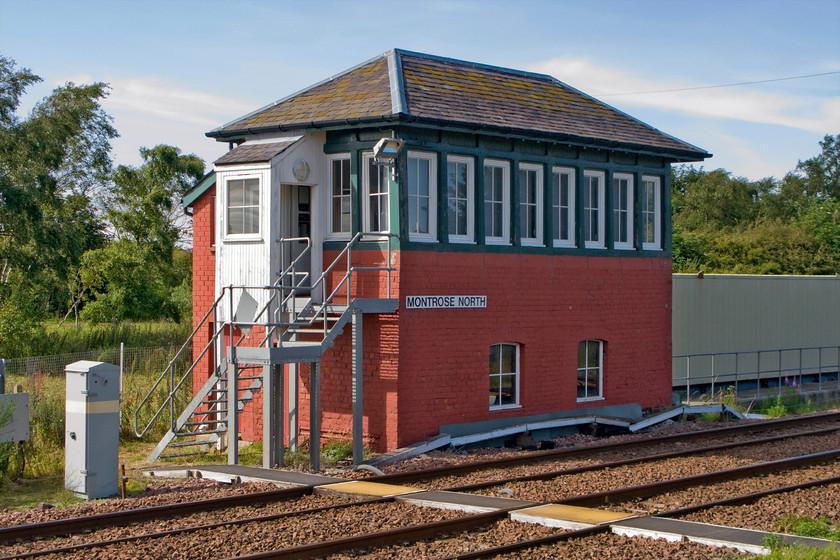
(230, 541)
(238, 540)
(818, 502)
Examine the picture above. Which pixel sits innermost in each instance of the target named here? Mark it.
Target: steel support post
(272, 416)
(268, 420)
(232, 412)
(294, 429)
(315, 416)
(358, 393)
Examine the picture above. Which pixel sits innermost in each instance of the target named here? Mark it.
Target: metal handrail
(170, 369)
(736, 375)
(320, 314)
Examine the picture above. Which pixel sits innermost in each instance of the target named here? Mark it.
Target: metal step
(181, 454)
(191, 443)
(206, 432)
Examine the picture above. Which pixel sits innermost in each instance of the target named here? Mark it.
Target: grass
(51, 339)
(804, 527)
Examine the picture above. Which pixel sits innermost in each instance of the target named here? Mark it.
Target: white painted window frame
(331, 197)
(656, 245)
(538, 203)
(555, 210)
(516, 376)
(600, 243)
(431, 236)
(623, 245)
(367, 217)
(599, 369)
(470, 164)
(505, 237)
(257, 236)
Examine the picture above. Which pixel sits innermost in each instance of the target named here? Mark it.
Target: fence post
(122, 349)
(688, 380)
(2, 376)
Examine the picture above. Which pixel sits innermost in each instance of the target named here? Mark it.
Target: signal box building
(421, 244)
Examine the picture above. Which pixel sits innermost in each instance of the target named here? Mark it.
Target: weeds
(808, 527)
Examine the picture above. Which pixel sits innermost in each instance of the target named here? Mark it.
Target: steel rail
(601, 447)
(602, 528)
(431, 530)
(70, 525)
(469, 522)
(192, 529)
(634, 460)
(653, 488)
(119, 518)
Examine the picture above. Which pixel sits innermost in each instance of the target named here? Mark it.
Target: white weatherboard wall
(738, 313)
(242, 260)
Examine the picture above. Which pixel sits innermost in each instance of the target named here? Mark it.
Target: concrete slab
(242, 473)
(675, 530)
(471, 503)
(365, 489)
(566, 517)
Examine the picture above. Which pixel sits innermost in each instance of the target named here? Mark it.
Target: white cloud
(811, 114)
(148, 112)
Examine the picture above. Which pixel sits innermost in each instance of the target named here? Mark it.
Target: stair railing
(321, 311)
(288, 294)
(169, 372)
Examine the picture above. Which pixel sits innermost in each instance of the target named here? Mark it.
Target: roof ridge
(481, 65)
(397, 82)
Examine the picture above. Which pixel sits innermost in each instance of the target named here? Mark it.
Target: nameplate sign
(445, 302)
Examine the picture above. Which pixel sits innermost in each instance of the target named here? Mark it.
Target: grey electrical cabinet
(92, 425)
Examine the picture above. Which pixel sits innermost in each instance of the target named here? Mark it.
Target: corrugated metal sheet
(751, 315)
(731, 313)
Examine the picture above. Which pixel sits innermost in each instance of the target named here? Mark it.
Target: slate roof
(403, 86)
(255, 153)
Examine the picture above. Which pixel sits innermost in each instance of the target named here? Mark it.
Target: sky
(179, 68)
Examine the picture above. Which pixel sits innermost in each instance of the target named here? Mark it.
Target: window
(530, 204)
(593, 209)
(459, 197)
(622, 215)
(504, 375)
(590, 369)
(243, 206)
(341, 215)
(422, 196)
(651, 214)
(563, 206)
(496, 203)
(377, 180)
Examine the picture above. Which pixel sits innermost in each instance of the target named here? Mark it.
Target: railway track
(121, 519)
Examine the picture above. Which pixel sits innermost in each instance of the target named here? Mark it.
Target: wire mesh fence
(145, 359)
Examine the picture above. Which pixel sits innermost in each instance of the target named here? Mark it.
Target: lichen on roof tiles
(461, 93)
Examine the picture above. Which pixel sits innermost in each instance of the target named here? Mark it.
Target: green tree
(821, 173)
(143, 275)
(51, 162)
(731, 225)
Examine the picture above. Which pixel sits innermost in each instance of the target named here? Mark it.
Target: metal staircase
(298, 322)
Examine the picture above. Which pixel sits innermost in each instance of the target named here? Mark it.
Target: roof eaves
(202, 186)
(305, 125)
(583, 141)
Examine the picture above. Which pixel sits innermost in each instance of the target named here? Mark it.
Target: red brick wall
(547, 304)
(204, 278)
(428, 367)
